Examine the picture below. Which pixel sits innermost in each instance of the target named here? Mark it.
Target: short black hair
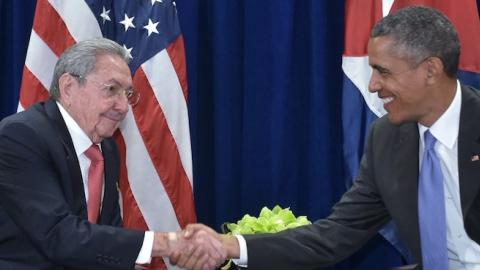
(422, 32)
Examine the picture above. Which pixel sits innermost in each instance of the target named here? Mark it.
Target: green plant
(269, 221)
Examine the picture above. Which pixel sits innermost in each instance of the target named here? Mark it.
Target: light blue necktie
(431, 209)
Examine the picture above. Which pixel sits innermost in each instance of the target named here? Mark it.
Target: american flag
(154, 142)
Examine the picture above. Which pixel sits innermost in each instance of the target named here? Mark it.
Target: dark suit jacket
(43, 216)
(385, 189)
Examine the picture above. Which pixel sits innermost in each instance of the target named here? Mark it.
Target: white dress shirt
(463, 252)
(81, 142)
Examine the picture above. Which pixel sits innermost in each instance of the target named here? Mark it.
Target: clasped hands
(197, 247)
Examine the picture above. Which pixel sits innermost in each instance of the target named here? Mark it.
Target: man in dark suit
(414, 54)
(45, 173)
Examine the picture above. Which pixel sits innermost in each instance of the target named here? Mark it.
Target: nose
(375, 83)
(121, 103)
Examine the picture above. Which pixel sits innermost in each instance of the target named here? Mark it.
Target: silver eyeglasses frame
(131, 94)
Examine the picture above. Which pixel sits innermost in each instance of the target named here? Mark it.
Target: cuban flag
(361, 108)
(154, 139)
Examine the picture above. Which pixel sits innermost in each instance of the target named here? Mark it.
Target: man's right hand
(201, 248)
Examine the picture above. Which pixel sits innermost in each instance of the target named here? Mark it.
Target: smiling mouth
(387, 100)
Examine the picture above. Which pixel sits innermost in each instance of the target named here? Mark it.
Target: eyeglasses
(114, 90)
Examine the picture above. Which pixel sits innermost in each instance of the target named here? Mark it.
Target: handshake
(197, 247)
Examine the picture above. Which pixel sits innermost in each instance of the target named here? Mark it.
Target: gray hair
(79, 60)
(422, 32)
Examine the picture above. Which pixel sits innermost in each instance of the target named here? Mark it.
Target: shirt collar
(81, 142)
(449, 121)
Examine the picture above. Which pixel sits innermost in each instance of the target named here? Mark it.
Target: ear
(434, 69)
(65, 84)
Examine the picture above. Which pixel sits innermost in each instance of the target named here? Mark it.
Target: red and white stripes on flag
(154, 142)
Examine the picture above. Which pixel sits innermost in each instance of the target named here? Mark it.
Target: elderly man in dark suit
(420, 167)
(59, 169)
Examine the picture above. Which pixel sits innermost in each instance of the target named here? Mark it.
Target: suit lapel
(111, 175)
(405, 164)
(469, 149)
(405, 180)
(73, 186)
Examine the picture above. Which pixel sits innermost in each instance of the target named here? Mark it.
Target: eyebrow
(113, 81)
(380, 68)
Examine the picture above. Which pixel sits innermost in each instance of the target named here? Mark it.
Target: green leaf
(277, 209)
(302, 220)
(265, 212)
(269, 221)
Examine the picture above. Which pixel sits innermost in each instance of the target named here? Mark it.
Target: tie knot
(429, 140)
(94, 153)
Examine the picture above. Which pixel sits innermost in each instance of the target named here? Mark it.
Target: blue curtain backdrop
(265, 110)
(16, 18)
(265, 84)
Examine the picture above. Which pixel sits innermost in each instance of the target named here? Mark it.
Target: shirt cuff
(145, 255)
(243, 260)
